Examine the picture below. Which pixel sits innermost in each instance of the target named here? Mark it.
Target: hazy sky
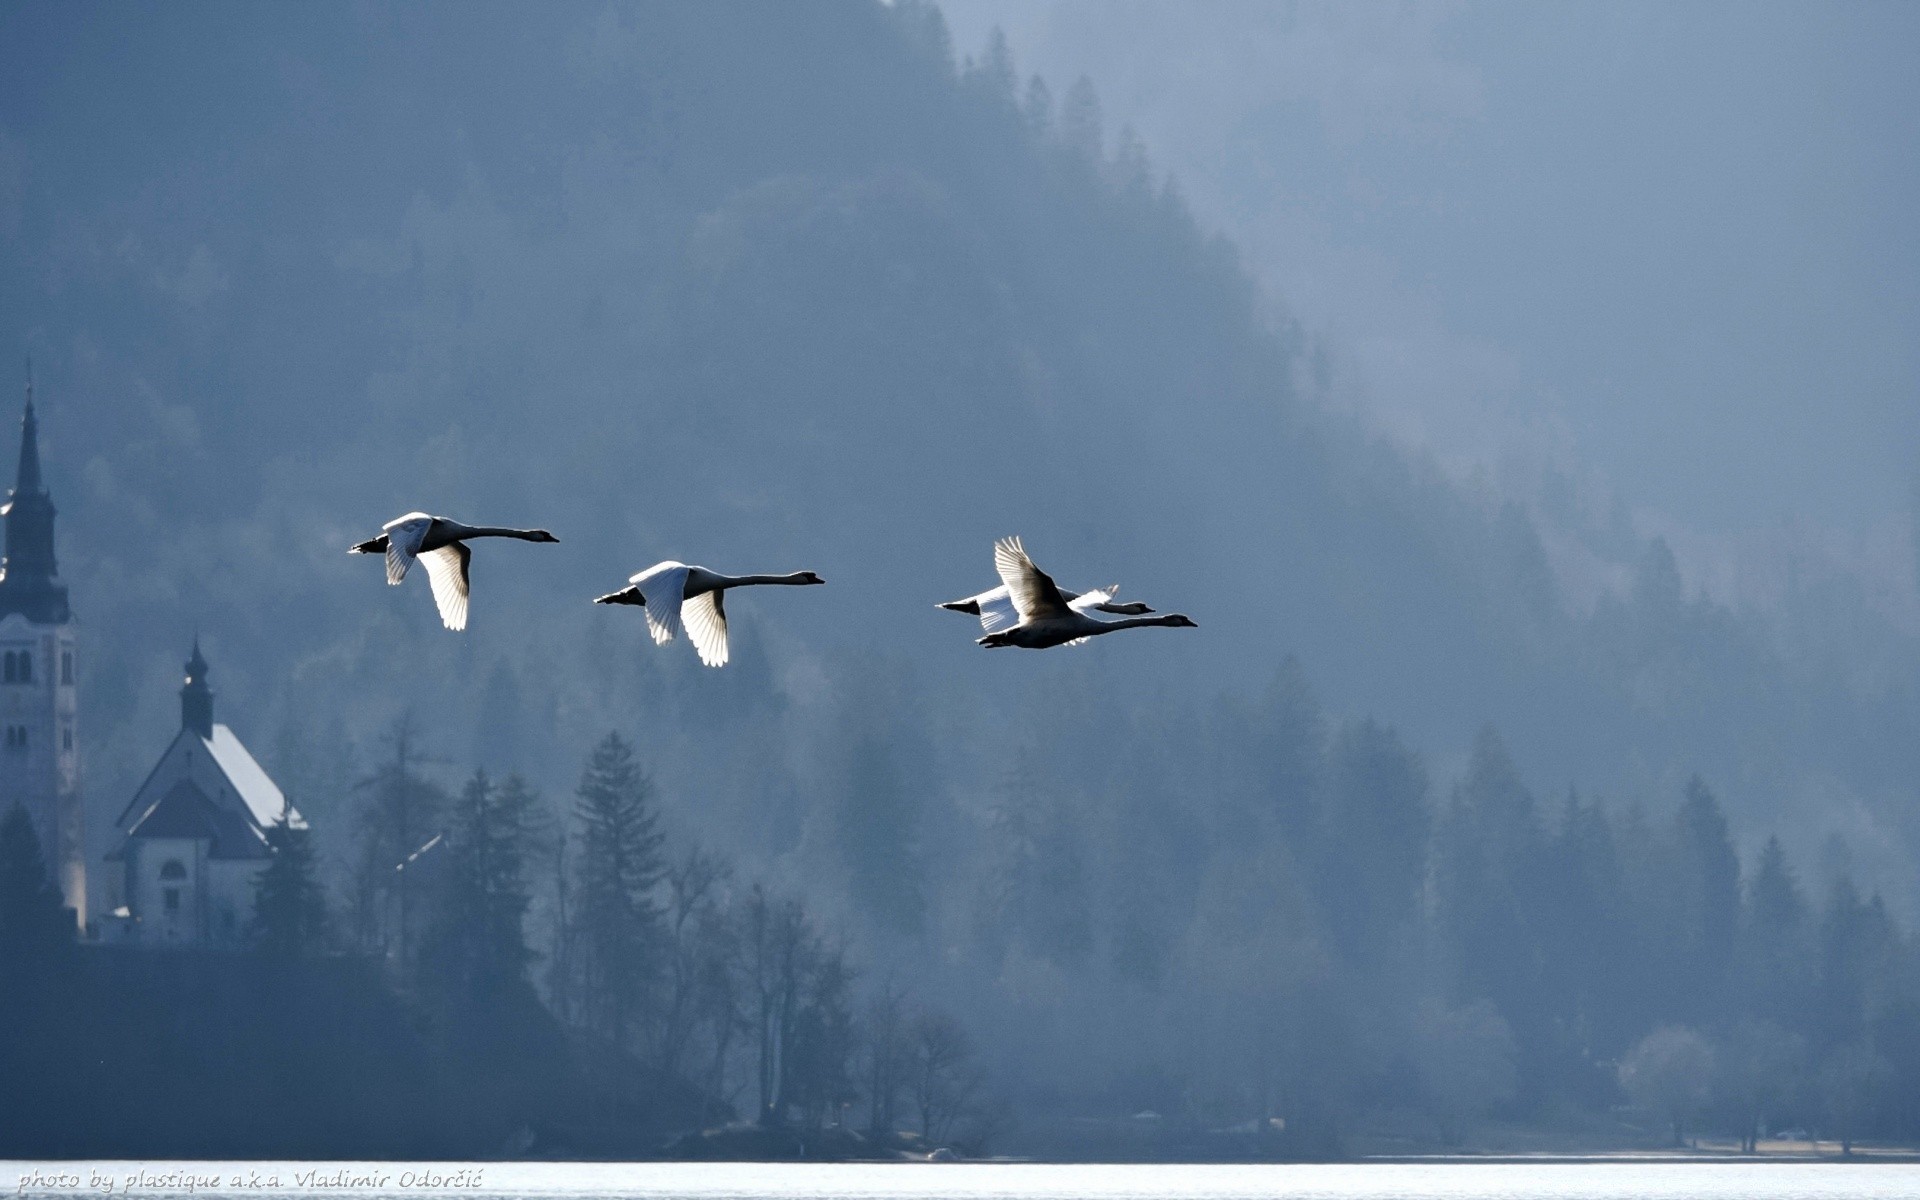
(1675, 248)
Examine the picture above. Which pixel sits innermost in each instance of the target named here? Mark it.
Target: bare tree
(773, 934)
(886, 1057)
(1668, 1073)
(943, 1080)
(693, 882)
(398, 819)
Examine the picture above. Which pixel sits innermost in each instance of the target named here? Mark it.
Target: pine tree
(1489, 885)
(1775, 947)
(478, 944)
(34, 924)
(289, 906)
(1377, 823)
(615, 910)
(1709, 913)
(1080, 121)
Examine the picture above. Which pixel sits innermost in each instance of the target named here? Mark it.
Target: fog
(1522, 402)
(1666, 250)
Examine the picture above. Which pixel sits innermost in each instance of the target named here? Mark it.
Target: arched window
(171, 869)
(26, 666)
(12, 667)
(66, 667)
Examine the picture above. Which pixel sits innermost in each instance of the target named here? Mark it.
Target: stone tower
(39, 748)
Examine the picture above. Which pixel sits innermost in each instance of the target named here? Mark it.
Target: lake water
(1639, 1180)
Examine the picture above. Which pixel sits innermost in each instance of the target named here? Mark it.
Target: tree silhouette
(289, 903)
(615, 909)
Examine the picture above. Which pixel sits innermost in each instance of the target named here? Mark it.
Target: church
(39, 751)
(192, 842)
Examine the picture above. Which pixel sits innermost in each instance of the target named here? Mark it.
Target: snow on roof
(260, 794)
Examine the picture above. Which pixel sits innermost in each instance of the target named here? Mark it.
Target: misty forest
(1410, 846)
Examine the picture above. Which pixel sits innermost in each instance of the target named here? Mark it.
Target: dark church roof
(186, 812)
(30, 578)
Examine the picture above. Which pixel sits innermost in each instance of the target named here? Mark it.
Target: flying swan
(674, 593)
(441, 545)
(1045, 616)
(996, 612)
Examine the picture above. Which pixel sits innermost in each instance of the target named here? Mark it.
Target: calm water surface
(980, 1181)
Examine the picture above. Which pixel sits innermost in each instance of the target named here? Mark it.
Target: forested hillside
(771, 287)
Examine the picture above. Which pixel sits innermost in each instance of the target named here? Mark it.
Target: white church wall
(39, 755)
(167, 883)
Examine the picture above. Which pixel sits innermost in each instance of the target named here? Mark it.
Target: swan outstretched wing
(1090, 601)
(404, 535)
(447, 571)
(706, 619)
(1035, 596)
(664, 585)
(997, 611)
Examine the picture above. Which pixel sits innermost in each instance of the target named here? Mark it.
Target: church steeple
(196, 698)
(28, 477)
(30, 577)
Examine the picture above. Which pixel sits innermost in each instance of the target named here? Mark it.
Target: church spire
(30, 577)
(196, 698)
(28, 477)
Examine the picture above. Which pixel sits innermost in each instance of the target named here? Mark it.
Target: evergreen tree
(996, 72)
(1585, 945)
(34, 924)
(1377, 825)
(1489, 888)
(48, 1028)
(1775, 948)
(1038, 107)
(614, 907)
(1709, 893)
(289, 905)
(478, 943)
(1080, 121)
(1854, 937)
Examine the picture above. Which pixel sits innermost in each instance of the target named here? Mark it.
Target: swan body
(996, 612)
(441, 546)
(675, 594)
(1046, 617)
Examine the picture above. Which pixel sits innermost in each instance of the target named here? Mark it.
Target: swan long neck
(1138, 622)
(473, 531)
(733, 581)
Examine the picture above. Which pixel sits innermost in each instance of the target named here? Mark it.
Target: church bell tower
(39, 752)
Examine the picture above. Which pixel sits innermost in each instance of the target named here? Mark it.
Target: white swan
(441, 545)
(673, 593)
(1046, 618)
(995, 607)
